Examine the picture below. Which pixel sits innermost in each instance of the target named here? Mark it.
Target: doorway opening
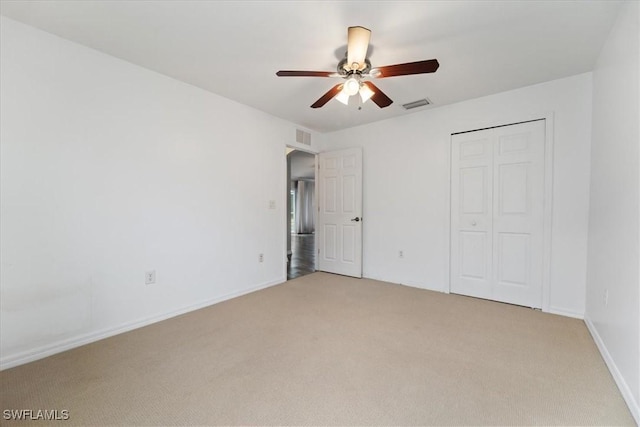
(301, 213)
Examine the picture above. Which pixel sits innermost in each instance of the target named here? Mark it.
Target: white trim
(419, 285)
(410, 283)
(446, 288)
(634, 407)
(548, 211)
(470, 126)
(302, 147)
(285, 217)
(70, 343)
(567, 313)
(316, 215)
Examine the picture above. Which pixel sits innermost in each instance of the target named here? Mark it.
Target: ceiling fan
(355, 68)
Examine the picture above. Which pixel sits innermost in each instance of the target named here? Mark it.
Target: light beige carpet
(331, 350)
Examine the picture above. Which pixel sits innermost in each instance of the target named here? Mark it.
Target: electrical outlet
(150, 277)
(260, 257)
(400, 254)
(606, 297)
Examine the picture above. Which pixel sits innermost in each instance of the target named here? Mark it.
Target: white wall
(406, 185)
(109, 170)
(614, 214)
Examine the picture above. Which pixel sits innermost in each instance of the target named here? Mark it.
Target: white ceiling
(234, 48)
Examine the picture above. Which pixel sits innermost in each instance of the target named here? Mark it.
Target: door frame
(471, 126)
(285, 194)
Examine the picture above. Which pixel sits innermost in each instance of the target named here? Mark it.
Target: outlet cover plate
(150, 277)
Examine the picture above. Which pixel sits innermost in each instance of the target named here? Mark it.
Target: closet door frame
(471, 126)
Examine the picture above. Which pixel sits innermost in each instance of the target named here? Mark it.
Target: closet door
(518, 213)
(472, 214)
(497, 251)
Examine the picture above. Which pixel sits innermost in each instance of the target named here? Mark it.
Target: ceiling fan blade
(285, 73)
(327, 96)
(358, 43)
(379, 96)
(418, 67)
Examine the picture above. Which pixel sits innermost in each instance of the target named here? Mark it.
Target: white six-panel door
(497, 213)
(339, 231)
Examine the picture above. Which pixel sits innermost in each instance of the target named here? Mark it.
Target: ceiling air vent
(303, 137)
(416, 104)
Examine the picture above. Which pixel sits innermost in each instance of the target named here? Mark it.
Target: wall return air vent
(303, 137)
(416, 104)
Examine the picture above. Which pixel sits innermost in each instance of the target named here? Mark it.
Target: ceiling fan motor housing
(344, 68)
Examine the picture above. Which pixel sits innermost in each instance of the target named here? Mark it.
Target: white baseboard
(424, 286)
(409, 283)
(566, 313)
(553, 310)
(70, 343)
(634, 406)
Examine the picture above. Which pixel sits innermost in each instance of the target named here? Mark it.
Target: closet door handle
(356, 219)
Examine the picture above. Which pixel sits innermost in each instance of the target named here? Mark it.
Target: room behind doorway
(301, 214)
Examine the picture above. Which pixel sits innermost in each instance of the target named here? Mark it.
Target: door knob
(356, 219)
(473, 223)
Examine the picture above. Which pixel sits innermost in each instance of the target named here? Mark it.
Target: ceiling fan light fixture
(343, 97)
(365, 93)
(351, 86)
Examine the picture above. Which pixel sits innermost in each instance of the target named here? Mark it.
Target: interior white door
(339, 231)
(472, 220)
(497, 213)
